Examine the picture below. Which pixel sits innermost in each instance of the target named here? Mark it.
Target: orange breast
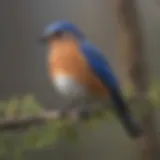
(65, 58)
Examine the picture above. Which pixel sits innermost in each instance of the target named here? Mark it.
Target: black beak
(46, 38)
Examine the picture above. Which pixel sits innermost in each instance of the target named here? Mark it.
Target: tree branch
(131, 43)
(26, 121)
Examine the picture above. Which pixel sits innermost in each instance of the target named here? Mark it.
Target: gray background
(23, 62)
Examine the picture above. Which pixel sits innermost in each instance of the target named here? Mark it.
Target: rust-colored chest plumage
(65, 58)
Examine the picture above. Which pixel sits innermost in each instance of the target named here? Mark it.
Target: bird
(80, 71)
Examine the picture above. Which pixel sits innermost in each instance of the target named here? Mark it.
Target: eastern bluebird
(80, 71)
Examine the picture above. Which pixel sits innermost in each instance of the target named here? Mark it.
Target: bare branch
(131, 42)
(25, 122)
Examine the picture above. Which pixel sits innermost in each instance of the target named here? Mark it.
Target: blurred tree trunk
(135, 69)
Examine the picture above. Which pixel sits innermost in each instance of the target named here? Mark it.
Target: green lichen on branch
(36, 138)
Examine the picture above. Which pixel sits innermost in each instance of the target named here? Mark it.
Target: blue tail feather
(123, 112)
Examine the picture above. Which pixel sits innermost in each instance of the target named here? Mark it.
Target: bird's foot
(63, 113)
(84, 114)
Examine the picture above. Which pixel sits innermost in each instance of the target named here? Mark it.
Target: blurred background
(23, 64)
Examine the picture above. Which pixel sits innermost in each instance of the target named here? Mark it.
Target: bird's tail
(127, 119)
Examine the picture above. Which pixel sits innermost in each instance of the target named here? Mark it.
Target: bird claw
(63, 113)
(84, 114)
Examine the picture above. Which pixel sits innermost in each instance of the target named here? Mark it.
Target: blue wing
(99, 64)
(101, 68)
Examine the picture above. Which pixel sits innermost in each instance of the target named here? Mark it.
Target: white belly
(67, 86)
(70, 89)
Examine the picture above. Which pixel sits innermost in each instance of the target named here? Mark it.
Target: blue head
(61, 27)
